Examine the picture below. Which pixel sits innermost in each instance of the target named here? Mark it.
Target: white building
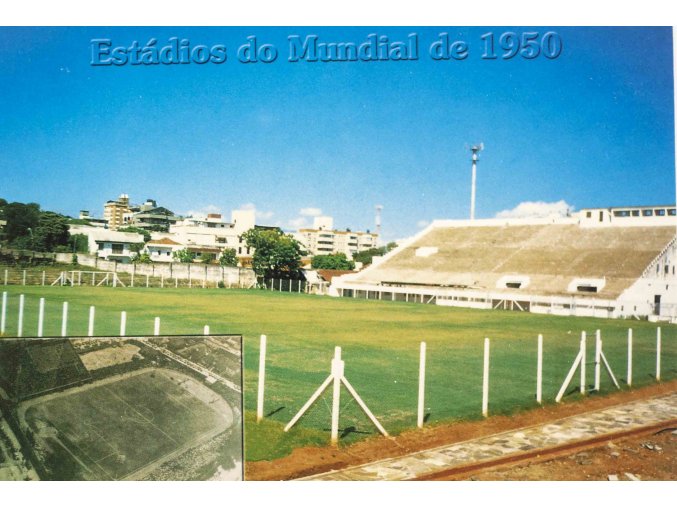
(323, 239)
(107, 244)
(162, 250)
(212, 233)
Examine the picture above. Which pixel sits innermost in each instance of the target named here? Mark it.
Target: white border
(340, 12)
(346, 12)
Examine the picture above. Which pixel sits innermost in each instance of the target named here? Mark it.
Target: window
(588, 214)
(101, 246)
(635, 212)
(601, 216)
(659, 212)
(672, 212)
(513, 285)
(647, 213)
(586, 288)
(117, 248)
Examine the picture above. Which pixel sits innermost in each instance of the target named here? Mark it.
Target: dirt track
(309, 461)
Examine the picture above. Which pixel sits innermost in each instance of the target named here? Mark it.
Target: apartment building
(323, 239)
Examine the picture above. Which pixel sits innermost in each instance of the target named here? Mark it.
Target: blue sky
(593, 127)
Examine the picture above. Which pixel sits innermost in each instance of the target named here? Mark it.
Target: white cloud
(298, 223)
(537, 209)
(262, 215)
(421, 224)
(310, 212)
(203, 212)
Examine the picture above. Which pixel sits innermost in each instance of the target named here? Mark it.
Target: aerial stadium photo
(338, 253)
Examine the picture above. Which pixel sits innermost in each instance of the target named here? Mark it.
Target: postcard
(337, 253)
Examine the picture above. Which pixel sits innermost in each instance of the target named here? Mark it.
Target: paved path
(565, 431)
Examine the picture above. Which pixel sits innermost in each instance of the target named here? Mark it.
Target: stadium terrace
(602, 262)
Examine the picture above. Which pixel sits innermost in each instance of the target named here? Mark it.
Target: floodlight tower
(379, 208)
(475, 158)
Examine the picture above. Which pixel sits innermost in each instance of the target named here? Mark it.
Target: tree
(207, 257)
(137, 230)
(142, 258)
(51, 231)
(276, 255)
(366, 256)
(79, 221)
(78, 243)
(228, 258)
(184, 255)
(21, 219)
(332, 261)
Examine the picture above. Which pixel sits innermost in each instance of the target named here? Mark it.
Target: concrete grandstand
(608, 262)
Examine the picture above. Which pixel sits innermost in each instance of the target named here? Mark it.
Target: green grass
(380, 342)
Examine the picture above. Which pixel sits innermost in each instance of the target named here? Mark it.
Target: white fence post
(629, 376)
(147, 281)
(3, 314)
(583, 351)
(337, 367)
(64, 319)
(658, 354)
(485, 380)
(90, 328)
(337, 376)
(43, 278)
(262, 378)
(20, 326)
(206, 331)
(539, 370)
(162, 280)
(156, 327)
(421, 385)
(598, 359)
(23, 281)
(41, 317)
(123, 323)
(6, 276)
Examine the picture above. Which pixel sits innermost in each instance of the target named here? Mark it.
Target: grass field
(380, 343)
(108, 431)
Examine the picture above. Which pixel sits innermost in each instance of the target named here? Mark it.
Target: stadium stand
(32, 367)
(512, 259)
